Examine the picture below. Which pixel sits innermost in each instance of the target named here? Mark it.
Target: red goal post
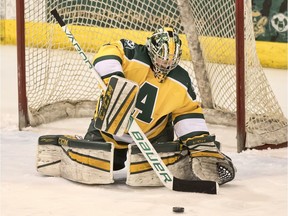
(240, 73)
(54, 83)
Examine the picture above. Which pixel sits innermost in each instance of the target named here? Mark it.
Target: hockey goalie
(147, 82)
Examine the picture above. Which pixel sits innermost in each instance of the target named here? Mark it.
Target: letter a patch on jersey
(116, 106)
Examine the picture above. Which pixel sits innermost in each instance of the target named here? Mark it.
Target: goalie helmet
(164, 50)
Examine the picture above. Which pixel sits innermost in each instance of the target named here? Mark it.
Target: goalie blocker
(116, 105)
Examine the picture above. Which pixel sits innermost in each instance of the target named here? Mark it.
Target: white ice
(259, 189)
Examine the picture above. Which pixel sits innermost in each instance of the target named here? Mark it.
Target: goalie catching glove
(208, 162)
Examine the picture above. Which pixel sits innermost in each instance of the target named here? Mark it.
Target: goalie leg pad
(82, 161)
(140, 173)
(116, 106)
(49, 155)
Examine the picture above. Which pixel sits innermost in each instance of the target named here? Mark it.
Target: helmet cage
(164, 49)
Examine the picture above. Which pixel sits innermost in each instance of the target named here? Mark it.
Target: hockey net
(59, 84)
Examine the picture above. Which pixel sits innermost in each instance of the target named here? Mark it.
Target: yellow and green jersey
(155, 101)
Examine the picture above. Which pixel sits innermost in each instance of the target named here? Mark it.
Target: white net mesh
(214, 23)
(59, 84)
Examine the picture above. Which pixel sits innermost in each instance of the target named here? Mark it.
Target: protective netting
(59, 84)
(214, 24)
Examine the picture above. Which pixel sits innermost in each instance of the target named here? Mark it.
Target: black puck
(178, 209)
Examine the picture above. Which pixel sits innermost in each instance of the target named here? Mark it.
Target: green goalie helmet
(164, 49)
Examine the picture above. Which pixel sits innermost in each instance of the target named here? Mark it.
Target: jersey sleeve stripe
(117, 73)
(107, 57)
(189, 116)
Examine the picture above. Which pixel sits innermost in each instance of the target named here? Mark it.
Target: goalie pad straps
(116, 106)
(75, 159)
(208, 162)
(140, 173)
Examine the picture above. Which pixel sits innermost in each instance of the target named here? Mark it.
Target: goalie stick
(142, 142)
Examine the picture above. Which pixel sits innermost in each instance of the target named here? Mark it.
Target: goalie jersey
(157, 103)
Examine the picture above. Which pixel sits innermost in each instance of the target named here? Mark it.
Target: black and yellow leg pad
(75, 159)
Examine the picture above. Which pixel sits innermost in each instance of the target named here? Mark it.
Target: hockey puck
(178, 209)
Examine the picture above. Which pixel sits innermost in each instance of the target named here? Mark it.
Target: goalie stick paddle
(138, 136)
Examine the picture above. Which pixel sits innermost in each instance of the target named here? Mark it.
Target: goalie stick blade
(209, 187)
